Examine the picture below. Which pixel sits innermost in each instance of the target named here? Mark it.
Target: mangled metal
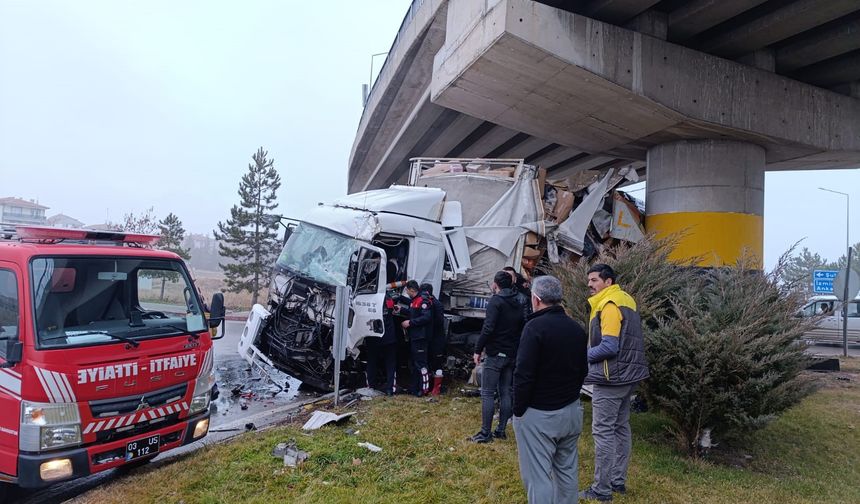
(453, 227)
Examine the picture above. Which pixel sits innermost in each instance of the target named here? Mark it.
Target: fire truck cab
(106, 354)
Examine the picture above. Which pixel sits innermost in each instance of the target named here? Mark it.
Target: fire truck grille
(141, 428)
(128, 404)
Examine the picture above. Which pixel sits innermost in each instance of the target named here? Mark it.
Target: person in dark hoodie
(500, 337)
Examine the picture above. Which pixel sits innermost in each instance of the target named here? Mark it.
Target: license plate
(142, 447)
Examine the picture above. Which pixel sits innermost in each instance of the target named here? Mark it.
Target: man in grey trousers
(616, 364)
(551, 366)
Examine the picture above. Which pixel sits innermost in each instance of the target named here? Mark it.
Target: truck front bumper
(80, 462)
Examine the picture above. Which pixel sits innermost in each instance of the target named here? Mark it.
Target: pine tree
(721, 342)
(839, 265)
(248, 238)
(172, 235)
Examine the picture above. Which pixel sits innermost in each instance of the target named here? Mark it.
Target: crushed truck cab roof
(419, 202)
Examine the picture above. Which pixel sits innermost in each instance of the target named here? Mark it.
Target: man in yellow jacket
(616, 364)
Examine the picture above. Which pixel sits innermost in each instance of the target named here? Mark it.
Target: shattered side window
(318, 253)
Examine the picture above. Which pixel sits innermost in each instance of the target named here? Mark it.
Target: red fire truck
(106, 355)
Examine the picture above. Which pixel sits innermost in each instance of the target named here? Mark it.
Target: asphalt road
(263, 402)
(833, 350)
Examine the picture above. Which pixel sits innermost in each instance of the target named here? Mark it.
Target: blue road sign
(822, 281)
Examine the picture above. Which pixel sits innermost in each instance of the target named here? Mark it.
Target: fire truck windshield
(81, 301)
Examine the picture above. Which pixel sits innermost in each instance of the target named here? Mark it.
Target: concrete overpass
(707, 94)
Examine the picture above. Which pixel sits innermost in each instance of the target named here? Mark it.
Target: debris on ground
(369, 392)
(250, 426)
(370, 446)
(320, 418)
(289, 451)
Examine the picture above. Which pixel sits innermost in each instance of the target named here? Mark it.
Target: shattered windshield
(318, 253)
(94, 300)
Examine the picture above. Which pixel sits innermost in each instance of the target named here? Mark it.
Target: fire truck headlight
(46, 426)
(60, 435)
(199, 403)
(202, 391)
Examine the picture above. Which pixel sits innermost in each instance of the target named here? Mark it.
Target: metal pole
(339, 338)
(847, 268)
(845, 305)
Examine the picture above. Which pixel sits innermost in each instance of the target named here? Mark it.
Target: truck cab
(106, 354)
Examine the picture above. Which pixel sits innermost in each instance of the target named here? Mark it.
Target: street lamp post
(845, 293)
(367, 87)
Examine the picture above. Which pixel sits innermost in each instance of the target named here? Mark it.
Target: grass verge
(810, 454)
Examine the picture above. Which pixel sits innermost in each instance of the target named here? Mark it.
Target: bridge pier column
(712, 191)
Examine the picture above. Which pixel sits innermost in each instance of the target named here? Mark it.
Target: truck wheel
(4, 487)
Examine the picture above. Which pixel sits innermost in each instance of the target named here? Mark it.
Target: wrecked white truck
(453, 226)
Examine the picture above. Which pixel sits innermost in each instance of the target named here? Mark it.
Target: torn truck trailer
(453, 227)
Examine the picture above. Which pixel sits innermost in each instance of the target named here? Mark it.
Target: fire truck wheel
(3, 488)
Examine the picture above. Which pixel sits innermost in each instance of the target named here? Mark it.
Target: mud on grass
(811, 454)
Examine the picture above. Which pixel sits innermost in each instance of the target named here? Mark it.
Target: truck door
(367, 279)
(10, 377)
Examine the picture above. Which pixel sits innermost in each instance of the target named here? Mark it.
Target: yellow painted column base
(717, 238)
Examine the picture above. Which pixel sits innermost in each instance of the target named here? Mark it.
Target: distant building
(64, 221)
(19, 211)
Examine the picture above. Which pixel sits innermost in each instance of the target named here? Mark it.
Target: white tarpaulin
(571, 232)
(503, 239)
(493, 239)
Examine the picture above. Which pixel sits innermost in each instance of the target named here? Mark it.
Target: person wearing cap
(419, 329)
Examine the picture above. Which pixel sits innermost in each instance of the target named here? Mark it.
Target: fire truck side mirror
(14, 350)
(216, 310)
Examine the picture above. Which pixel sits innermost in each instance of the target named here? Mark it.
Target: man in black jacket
(500, 337)
(551, 367)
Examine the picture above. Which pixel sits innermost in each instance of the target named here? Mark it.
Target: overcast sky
(109, 107)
